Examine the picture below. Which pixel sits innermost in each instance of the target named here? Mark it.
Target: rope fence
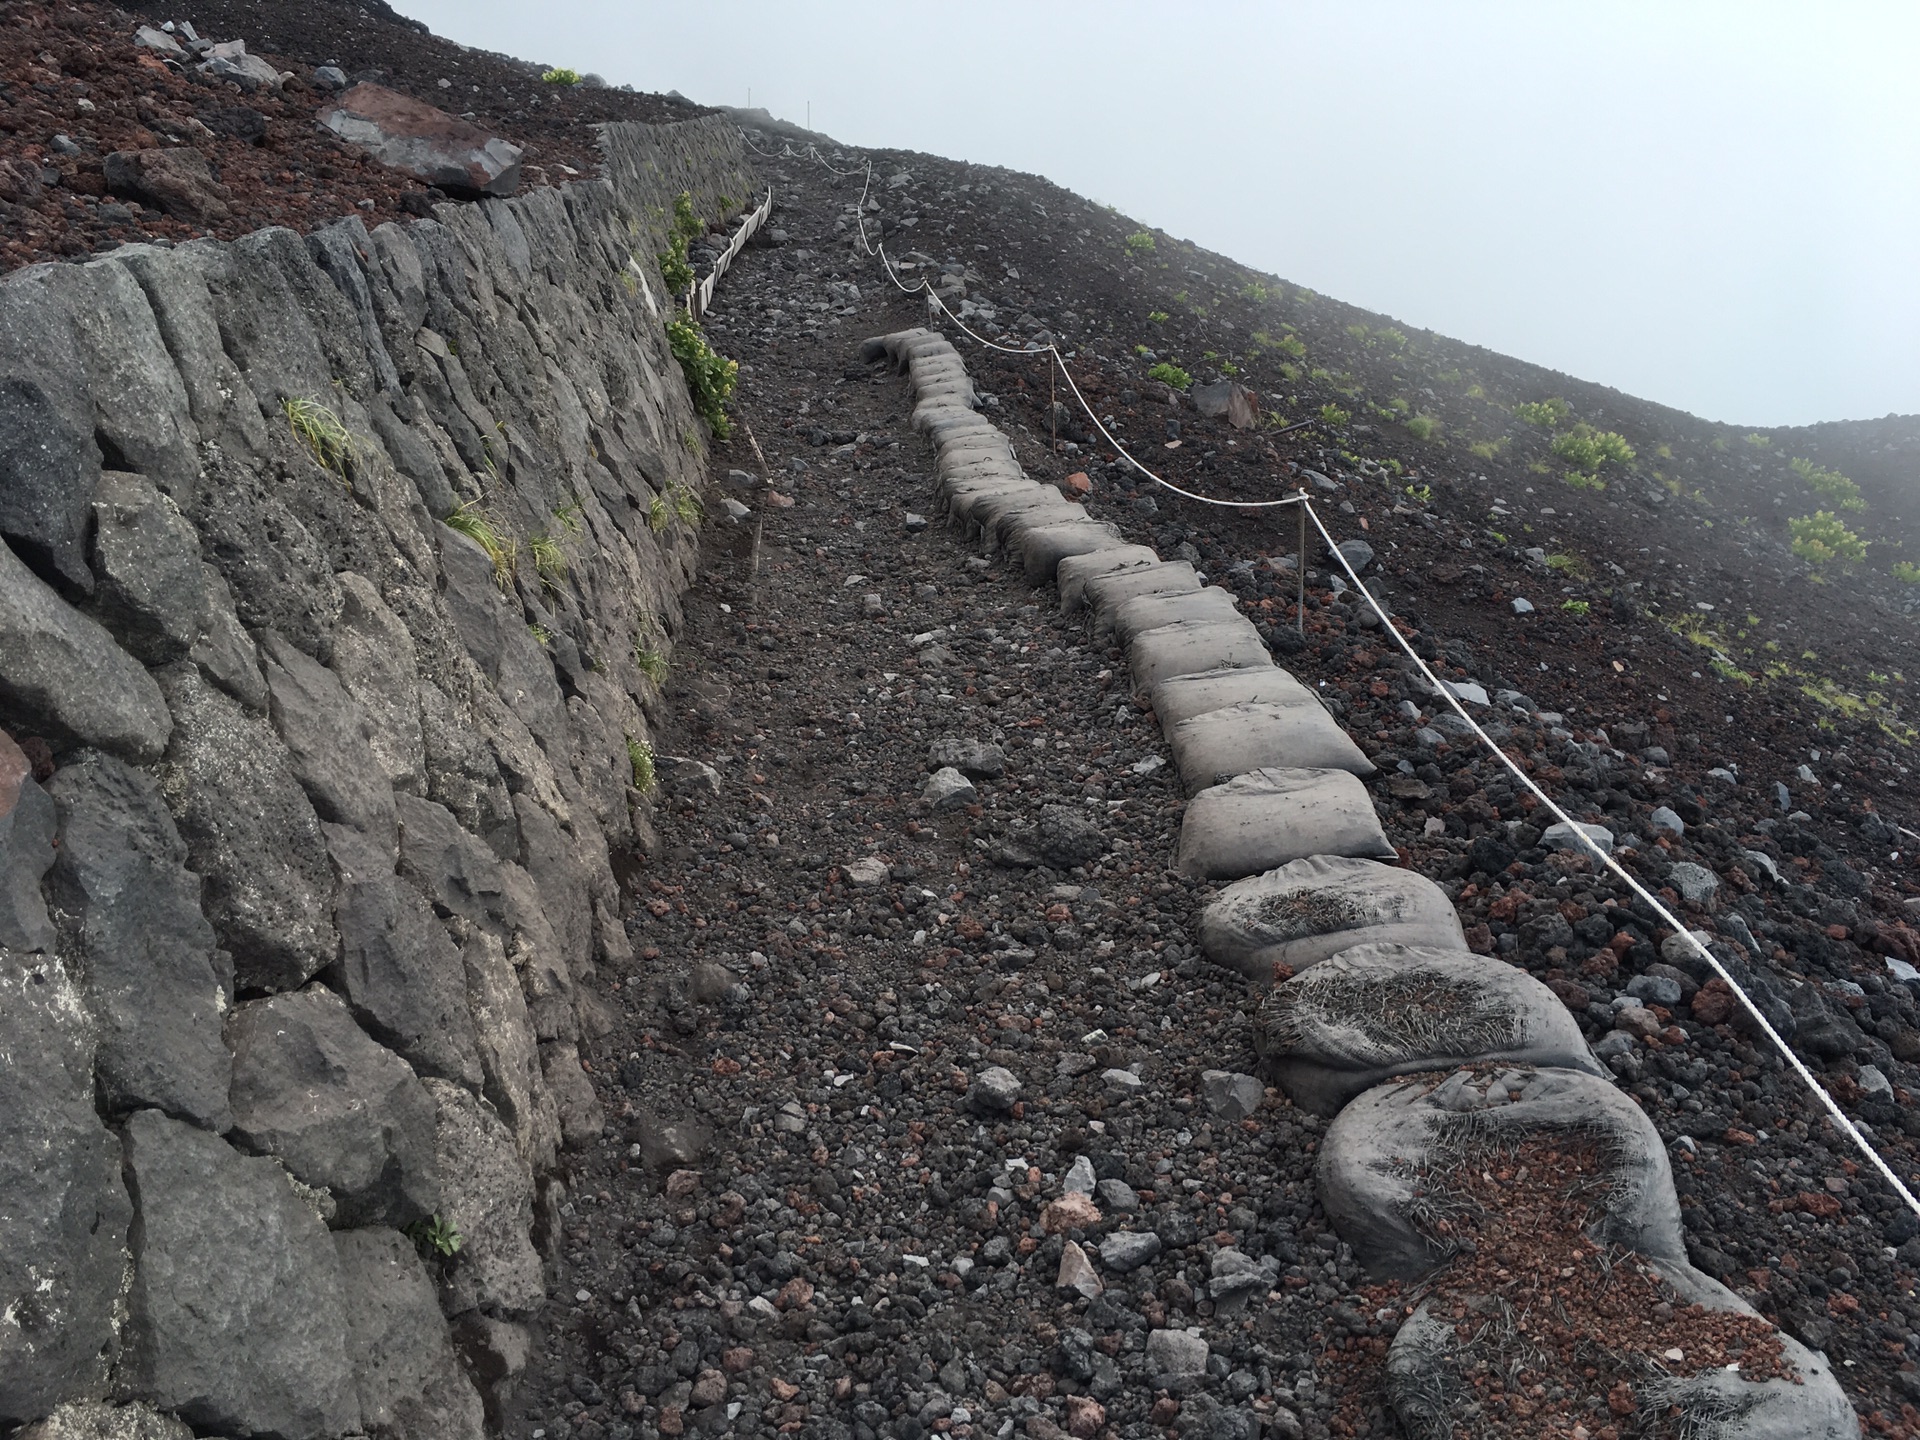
(1308, 512)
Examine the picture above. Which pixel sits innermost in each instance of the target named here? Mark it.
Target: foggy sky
(1710, 205)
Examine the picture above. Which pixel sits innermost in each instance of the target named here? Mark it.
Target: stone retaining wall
(310, 804)
(1372, 1009)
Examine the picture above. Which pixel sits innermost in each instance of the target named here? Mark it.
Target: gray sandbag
(1150, 612)
(1044, 547)
(991, 513)
(1183, 696)
(1006, 529)
(971, 506)
(1301, 913)
(1300, 735)
(1372, 1012)
(1265, 818)
(1158, 655)
(1429, 1365)
(1386, 1162)
(1076, 570)
(1107, 593)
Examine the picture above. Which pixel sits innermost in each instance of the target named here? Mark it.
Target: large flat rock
(432, 145)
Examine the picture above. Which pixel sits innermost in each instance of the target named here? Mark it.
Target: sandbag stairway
(1439, 1065)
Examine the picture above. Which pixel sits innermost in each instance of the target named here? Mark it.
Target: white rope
(1833, 1109)
(1832, 1106)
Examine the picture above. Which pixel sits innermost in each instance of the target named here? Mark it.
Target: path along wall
(310, 805)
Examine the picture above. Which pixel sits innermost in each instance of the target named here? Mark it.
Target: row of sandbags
(1373, 1011)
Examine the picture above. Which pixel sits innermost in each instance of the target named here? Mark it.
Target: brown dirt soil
(73, 71)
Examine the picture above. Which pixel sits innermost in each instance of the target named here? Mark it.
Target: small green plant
(1588, 449)
(1421, 493)
(687, 508)
(1576, 607)
(710, 377)
(549, 560)
(474, 523)
(1170, 374)
(1906, 572)
(640, 756)
(1580, 481)
(659, 514)
(1821, 539)
(649, 661)
(685, 229)
(1139, 243)
(1229, 369)
(1487, 449)
(1422, 427)
(1574, 565)
(568, 517)
(1548, 414)
(434, 1238)
(1255, 291)
(560, 75)
(541, 634)
(327, 439)
(1830, 483)
(1157, 317)
(1759, 442)
(1333, 415)
(1141, 350)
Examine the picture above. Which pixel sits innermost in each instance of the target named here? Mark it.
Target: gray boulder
(993, 1091)
(486, 1193)
(63, 1208)
(27, 829)
(236, 1319)
(1065, 838)
(1231, 1096)
(1695, 883)
(150, 589)
(399, 969)
(410, 1383)
(975, 759)
(131, 910)
(328, 736)
(91, 1420)
(1376, 1011)
(62, 676)
(48, 459)
(948, 789)
(373, 654)
(251, 835)
(342, 1113)
(430, 144)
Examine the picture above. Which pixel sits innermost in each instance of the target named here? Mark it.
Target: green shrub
(1543, 414)
(1906, 572)
(1157, 317)
(1821, 539)
(686, 228)
(434, 1238)
(1589, 449)
(1581, 481)
(1255, 291)
(1830, 483)
(650, 662)
(549, 560)
(1139, 243)
(1334, 415)
(710, 377)
(1170, 374)
(560, 75)
(322, 432)
(1576, 607)
(1422, 427)
(474, 523)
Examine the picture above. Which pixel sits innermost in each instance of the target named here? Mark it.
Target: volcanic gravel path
(816, 1213)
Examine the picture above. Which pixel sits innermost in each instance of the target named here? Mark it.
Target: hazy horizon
(1702, 207)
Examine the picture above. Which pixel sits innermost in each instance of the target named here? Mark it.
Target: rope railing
(1604, 857)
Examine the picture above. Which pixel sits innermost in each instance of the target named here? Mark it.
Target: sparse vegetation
(549, 560)
(685, 228)
(1139, 243)
(435, 1239)
(1422, 427)
(1906, 572)
(1821, 539)
(323, 433)
(1548, 414)
(473, 522)
(1333, 415)
(1487, 449)
(1830, 483)
(710, 377)
(1588, 449)
(560, 75)
(1170, 374)
(649, 661)
(1255, 291)
(1576, 607)
(1157, 317)
(640, 757)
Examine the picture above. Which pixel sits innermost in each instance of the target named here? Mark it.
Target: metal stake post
(1300, 567)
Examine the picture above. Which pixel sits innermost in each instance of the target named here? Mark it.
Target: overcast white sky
(1714, 205)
